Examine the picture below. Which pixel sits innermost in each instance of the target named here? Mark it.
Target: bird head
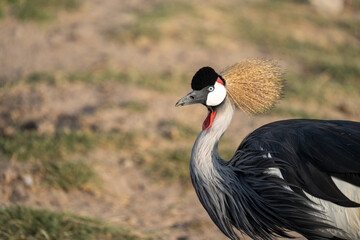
(252, 85)
(208, 89)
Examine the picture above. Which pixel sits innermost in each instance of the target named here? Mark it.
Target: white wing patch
(273, 170)
(348, 189)
(347, 219)
(217, 96)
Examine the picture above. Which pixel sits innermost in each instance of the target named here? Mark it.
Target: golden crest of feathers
(254, 85)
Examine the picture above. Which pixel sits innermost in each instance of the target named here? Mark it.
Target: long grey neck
(205, 159)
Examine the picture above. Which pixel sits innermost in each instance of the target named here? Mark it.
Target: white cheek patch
(217, 96)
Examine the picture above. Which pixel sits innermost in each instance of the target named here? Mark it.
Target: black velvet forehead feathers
(204, 77)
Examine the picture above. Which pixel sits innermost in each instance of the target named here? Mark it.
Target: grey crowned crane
(300, 175)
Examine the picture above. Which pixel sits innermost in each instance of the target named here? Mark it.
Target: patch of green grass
(169, 165)
(342, 68)
(134, 106)
(20, 223)
(173, 129)
(39, 77)
(227, 153)
(149, 22)
(2, 5)
(173, 165)
(67, 175)
(30, 145)
(294, 112)
(162, 81)
(163, 10)
(36, 9)
(117, 139)
(50, 151)
(351, 27)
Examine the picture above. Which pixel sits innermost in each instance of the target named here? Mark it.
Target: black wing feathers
(262, 207)
(315, 150)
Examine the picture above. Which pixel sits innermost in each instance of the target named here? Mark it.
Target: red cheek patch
(220, 81)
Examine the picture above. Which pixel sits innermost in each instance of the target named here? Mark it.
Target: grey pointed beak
(192, 98)
(186, 100)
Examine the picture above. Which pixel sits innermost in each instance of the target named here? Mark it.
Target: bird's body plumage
(299, 175)
(264, 205)
(315, 150)
(322, 163)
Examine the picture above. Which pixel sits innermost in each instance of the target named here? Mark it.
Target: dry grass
(17, 222)
(36, 9)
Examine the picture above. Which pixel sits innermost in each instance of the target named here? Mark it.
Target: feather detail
(254, 85)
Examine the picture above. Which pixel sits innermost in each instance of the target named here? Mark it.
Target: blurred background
(91, 145)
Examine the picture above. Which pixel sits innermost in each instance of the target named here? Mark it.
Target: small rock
(28, 180)
(328, 6)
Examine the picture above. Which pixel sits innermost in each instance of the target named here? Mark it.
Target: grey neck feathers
(205, 161)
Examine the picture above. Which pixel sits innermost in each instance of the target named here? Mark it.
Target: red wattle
(209, 120)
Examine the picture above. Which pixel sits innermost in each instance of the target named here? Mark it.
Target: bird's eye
(211, 88)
